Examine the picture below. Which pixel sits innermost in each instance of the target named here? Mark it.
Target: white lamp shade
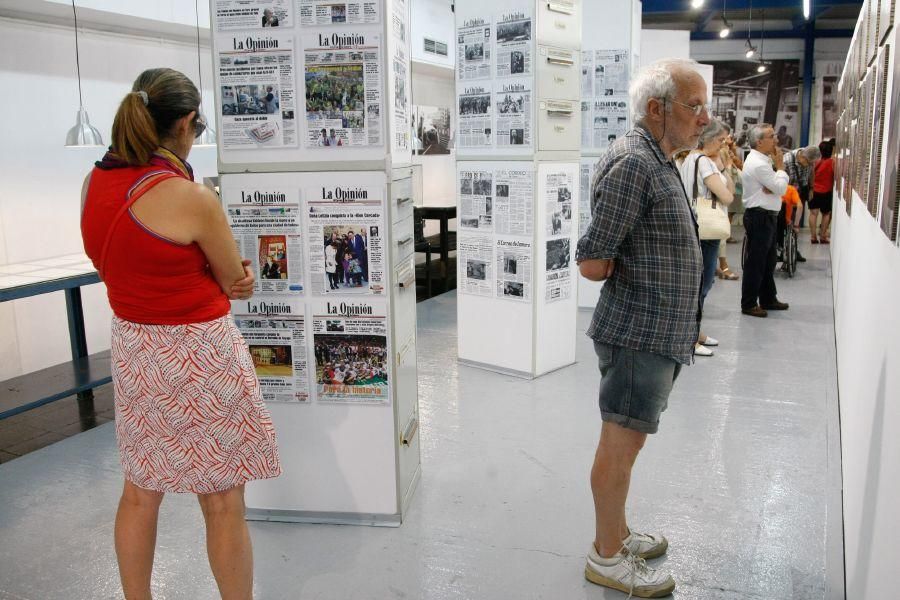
(83, 134)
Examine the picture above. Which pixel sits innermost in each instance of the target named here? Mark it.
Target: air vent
(435, 47)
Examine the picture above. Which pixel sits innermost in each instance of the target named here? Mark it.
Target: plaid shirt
(798, 175)
(642, 218)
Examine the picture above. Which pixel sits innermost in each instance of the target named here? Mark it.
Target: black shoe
(800, 258)
(776, 306)
(755, 311)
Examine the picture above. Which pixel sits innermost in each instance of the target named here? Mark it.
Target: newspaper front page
(587, 74)
(514, 262)
(346, 241)
(610, 121)
(401, 106)
(514, 44)
(266, 224)
(474, 50)
(343, 103)
(513, 113)
(476, 260)
(351, 353)
(559, 274)
(513, 201)
(338, 12)
(474, 125)
(275, 332)
(253, 14)
(587, 131)
(476, 202)
(558, 203)
(611, 73)
(584, 198)
(256, 75)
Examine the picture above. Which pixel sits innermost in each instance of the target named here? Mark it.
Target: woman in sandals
(189, 416)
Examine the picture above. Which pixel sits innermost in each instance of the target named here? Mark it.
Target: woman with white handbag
(710, 192)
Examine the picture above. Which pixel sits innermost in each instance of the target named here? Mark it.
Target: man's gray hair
(810, 153)
(712, 131)
(756, 133)
(656, 81)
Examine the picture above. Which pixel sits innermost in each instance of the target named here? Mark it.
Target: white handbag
(712, 220)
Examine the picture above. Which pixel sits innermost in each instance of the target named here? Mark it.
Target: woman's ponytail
(134, 136)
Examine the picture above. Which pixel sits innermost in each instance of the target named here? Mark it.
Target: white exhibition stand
(517, 182)
(611, 46)
(336, 357)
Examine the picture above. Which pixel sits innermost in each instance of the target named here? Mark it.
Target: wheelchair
(787, 252)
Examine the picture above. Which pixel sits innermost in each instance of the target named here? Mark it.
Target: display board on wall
(605, 75)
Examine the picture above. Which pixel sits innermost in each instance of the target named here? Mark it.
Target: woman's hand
(243, 288)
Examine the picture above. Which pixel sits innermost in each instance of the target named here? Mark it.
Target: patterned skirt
(189, 415)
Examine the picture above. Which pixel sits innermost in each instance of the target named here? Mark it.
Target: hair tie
(143, 96)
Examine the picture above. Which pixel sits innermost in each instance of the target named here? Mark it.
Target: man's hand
(243, 288)
(778, 157)
(597, 269)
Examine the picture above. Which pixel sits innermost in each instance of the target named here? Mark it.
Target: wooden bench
(84, 372)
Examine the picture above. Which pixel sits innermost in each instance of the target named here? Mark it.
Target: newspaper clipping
(346, 241)
(336, 12)
(400, 74)
(275, 331)
(587, 73)
(475, 117)
(558, 203)
(351, 353)
(266, 225)
(611, 73)
(513, 201)
(476, 258)
(514, 114)
(610, 121)
(256, 74)
(343, 89)
(559, 273)
(432, 131)
(473, 57)
(253, 14)
(587, 133)
(514, 269)
(476, 202)
(514, 44)
(584, 198)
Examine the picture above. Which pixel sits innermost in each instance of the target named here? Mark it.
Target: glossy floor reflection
(737, 478)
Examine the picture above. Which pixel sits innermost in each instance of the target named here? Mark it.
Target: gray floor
(739, 479)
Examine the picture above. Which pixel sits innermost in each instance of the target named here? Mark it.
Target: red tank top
(149, 279)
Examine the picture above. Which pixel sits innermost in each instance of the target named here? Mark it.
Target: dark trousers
(710, 251)
(759, 268)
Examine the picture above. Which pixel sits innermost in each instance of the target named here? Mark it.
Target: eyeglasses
(199, 124)
(697, 109)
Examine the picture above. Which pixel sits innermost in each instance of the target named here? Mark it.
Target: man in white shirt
(765, 181)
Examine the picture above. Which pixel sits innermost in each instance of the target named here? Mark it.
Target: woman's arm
(724, 192)
(213, 235)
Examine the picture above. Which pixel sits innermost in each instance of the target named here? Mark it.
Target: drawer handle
(409, 282)
(404, 200)
(559, 112)
(561, 6)
(405, 240)
(555, 60)
(409, 432)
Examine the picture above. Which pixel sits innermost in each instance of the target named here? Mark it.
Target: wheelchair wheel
(790, 252)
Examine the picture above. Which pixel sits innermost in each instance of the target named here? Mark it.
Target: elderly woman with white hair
(702, 178)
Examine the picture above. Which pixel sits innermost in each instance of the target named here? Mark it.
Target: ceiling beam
(704, 19)
(682, 6)
(781, 34)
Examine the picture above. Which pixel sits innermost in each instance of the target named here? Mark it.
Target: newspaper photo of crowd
(346, 257)
(250, 99)
(479, 104)
(558, 256)
(511, 104)
(515, 31)
(336, 92)
(350, 359)
(475, 51)
(476, 269)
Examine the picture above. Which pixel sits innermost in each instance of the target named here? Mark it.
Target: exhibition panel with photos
(517, 150)
(314, 149)
(611, 33)
(865, 262)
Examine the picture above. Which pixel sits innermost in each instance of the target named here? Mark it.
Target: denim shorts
(635, 386)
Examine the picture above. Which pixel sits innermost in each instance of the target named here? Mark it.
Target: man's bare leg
(610, 479)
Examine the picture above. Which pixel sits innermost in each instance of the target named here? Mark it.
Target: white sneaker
(627, 573)
(701, 350)
(710, 341)
(646, 545)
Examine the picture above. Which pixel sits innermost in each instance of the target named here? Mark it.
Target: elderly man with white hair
(643, 241)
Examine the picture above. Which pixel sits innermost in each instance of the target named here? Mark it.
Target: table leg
(78, 342)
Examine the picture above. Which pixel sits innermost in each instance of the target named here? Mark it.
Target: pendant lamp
(208, 137)
(83, 134)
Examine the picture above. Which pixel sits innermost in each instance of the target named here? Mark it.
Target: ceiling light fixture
(761, 68)
(208, 137)
(751, 49)
(806, 9)
(83, 134)
(762, 43)
(697, 3)
(726, 26)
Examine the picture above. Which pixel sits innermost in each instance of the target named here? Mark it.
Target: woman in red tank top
(189, 415)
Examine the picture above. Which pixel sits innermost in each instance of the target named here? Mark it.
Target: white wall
(432, 19)
(39, 198)
(657, 44)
